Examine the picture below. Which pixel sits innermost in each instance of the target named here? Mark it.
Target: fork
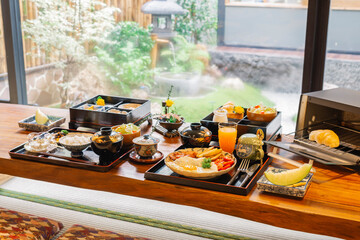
(244, 165)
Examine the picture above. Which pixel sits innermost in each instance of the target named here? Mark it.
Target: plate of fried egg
(200, 163)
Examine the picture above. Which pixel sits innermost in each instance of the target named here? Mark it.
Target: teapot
(250, 146)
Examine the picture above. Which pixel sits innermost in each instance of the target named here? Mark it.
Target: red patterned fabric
(77, 232)
(18, 226)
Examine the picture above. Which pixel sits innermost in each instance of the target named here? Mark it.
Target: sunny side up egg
(193, 164)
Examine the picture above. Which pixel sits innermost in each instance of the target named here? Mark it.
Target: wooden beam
(315, 45)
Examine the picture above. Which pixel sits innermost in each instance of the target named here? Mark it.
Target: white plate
(197, 175)
(49, 148)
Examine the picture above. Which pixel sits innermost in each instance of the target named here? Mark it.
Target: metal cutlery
(249, 172)
(244, 165)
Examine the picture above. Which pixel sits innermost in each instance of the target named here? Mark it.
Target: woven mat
(133, 216)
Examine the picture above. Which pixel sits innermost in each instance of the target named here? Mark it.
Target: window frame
(14, 51)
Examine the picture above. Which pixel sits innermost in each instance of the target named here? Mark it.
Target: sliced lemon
(40, 117)
(288, 177)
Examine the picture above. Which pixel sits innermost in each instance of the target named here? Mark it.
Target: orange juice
(227, 138)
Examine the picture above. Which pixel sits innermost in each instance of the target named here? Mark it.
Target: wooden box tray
(160, 172)
(61, 156)
(271, 129)
(81, 116)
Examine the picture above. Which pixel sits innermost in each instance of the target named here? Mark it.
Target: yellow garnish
(238, 110)
(90, 108)
(100, 102)
(189, 167)
(169, 103)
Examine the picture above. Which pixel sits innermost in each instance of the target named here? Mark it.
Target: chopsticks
(67, 158)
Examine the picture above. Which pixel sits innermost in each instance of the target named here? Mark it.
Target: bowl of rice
(76, 143)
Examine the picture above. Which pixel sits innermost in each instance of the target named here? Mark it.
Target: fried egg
(192, 165)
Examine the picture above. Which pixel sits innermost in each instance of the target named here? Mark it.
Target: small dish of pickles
(129, 132)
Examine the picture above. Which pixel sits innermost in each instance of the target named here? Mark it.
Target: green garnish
(65, 132)
(99, 97)
(206, 163)
(172, 119)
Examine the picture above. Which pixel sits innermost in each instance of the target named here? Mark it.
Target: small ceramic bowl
(146, 146)
(128, 138)
(75, 149)
(171, 126)
(266, 117)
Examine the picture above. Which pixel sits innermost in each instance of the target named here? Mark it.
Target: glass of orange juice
(227, 136)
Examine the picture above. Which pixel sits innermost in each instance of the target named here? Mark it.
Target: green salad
(127, 128)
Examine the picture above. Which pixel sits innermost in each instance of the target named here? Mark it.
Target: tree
(199, 24)
(62, 29)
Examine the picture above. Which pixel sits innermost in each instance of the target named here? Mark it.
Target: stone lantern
(161, 11)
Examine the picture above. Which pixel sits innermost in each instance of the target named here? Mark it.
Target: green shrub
(185, 57)
(125, 58)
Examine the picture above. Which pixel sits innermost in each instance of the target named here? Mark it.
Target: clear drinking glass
(227, 136)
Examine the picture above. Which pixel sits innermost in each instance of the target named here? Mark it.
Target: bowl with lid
(107, 143)
(196, 136)
(146, 146)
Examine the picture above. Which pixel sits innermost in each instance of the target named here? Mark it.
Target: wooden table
(330, 207)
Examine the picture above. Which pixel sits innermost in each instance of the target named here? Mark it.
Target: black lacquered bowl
(107, 143)
(196, 136)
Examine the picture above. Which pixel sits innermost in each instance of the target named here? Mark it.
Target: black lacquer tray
(61, 156)
(100, 116)
(271, 129)
(160, 172)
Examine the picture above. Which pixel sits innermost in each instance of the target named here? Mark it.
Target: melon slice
(40, 117)
(288, 177)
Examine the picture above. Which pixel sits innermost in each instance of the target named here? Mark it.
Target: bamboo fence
(130, 11)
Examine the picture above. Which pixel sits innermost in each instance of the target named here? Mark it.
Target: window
(70, 55)
(342, 67)
(264, 49)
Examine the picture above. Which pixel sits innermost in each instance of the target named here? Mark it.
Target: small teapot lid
(146, 140)
(250, 139)
(106, 134)
(196, 131)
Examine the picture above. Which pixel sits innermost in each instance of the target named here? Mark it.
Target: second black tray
(160, 172)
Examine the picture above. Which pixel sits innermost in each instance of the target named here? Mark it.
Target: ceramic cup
(146, 146)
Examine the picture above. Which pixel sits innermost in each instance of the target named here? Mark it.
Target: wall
(282, 73)
(286, 27)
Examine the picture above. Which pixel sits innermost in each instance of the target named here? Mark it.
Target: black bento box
(271, 129)
(116, 111)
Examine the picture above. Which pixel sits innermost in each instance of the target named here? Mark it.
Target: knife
(249, 172)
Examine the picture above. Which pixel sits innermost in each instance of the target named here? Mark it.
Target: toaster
(335, 109)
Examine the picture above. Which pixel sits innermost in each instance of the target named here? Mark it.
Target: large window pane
(268, 39)
(4, 82)
(77, 49)
(70, 54)
(342, 68)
